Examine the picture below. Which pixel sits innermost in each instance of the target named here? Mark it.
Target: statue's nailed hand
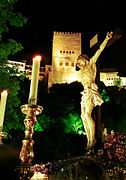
(109, 35)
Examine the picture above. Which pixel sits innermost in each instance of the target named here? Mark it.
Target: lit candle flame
(5, 92)
(38, 57)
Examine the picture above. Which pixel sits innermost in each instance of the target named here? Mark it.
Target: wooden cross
(94, 43)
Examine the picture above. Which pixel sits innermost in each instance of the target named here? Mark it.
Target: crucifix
(94, 44)
(90, 95)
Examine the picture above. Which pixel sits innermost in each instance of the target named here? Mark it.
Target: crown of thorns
(84, 57)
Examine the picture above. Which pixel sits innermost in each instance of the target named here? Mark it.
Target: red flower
(102, 125)
(68, 155)
(119, 135)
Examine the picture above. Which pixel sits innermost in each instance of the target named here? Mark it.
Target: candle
(34, 78)
(3, 106)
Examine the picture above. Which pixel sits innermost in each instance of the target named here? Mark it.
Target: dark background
(87, 17)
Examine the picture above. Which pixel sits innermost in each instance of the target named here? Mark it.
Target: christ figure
(90, 95)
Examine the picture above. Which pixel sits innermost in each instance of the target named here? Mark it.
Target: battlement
(66, 34)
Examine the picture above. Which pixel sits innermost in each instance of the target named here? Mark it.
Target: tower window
(60, 51)
(63, 51)
(66, 64)
(49, 69)
(72, 64)
(61, 63)
(72, 52)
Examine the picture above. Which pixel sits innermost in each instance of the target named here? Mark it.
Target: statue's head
(82, 60)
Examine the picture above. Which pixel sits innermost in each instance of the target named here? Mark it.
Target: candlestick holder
(31, 110)
(2, 135)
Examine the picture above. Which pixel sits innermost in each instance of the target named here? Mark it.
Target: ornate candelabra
(31, 110)
(2, 135)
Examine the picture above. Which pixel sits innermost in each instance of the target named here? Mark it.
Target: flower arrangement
(114, 145)
(112, 155)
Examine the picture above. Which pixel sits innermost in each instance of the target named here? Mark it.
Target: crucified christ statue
(90, 95)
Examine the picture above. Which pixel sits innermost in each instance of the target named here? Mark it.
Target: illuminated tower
(65, 50)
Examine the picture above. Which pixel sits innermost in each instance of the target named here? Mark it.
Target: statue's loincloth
(92, 94)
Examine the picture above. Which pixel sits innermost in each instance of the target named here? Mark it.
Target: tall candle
(3, 106)
(34, 78)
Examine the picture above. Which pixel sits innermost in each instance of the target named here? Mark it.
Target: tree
(73, 124)
(9, 18)
(114, 107)
(62, 110)
(118, 82)
(8, 76)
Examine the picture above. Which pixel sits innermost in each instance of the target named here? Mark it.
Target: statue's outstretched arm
(101, 48)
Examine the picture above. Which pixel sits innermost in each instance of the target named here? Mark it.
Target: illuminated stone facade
(65, 51)
(20, 65)
(109, 78)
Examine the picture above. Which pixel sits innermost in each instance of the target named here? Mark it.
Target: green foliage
(10, 47)
(38, 127)
(105, 96)
(113, 94)
(8, 76)
(73, 124)
(10, 82)
(117, 96)
(44, 122)
(12, 1)
(113, 111)
(8, 18)
(62, 110)
(118, 82)
(70, 124)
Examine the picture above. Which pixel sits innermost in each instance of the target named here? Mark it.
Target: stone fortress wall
(65, 50)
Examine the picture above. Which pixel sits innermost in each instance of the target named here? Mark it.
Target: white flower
(112, 132)
(105, 132)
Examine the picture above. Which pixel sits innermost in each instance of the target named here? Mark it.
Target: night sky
(87, 17)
